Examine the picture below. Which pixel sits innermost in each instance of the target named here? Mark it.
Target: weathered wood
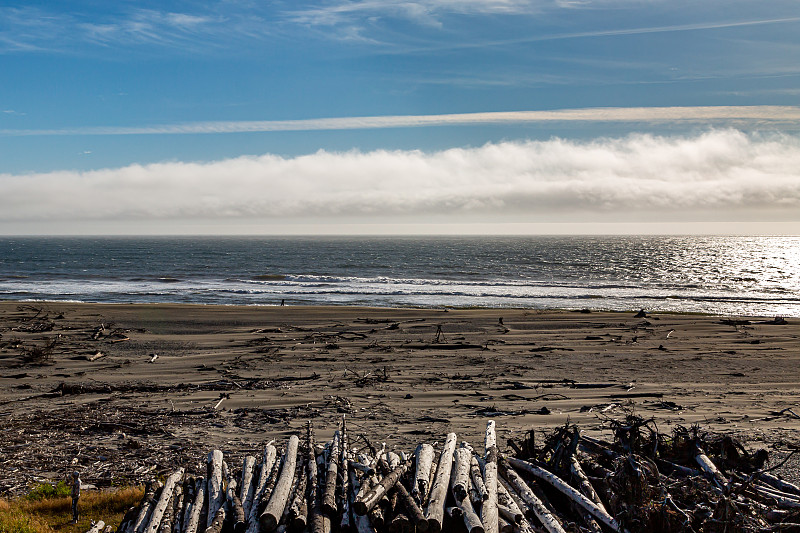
(584, 484)
(509, 515)
(424, 459)
(95, 356)
(180, 504)
(320, 522)
(146, 508)
(509, 497)
(345, 523)
(779, 483)
(280, 495)
(261, 499)
(559, 484)
(297, 481)
(163, 501)
(489, 513)
(97, 527)
(214, 485)
(361, 522)
(434, 512)
(549, 521)
(415, 514)
(298, 509)
(379, 491)
(168, 520)
(476, 476)
(504, 526)
(235, 507)
(709, 468)
(218, 522)
(192, 516)
(459, 478)
(329, 504)
(247, 487)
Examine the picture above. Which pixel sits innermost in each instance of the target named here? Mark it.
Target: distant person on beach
(283, 302)
(76, 493)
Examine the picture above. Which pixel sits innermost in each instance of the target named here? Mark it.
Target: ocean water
(757, 276)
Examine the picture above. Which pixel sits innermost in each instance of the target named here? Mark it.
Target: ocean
(757, 276)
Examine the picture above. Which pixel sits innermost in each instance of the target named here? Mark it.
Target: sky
(389, 117)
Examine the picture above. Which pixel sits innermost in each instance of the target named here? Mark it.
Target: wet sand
(401, 376)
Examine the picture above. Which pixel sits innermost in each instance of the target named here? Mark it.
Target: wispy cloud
(750, 115)
(720, 173)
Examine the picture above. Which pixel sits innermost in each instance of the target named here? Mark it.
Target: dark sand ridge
(121, 417)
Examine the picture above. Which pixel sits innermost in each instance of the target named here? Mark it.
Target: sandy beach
(236, 377)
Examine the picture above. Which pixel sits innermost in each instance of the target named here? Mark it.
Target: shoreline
(235, 377)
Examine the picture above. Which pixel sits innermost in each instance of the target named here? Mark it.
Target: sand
(121, 417)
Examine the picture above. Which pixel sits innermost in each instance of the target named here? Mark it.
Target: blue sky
(165, 99)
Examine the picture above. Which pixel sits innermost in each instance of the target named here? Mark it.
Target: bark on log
(192, 519)
(549, 521)
(489, 513)
(511, 499)
(235, 508)
(261, 499)
(163, 501)
(329, 504)
(422, 475)
(277, 502)
(247, 487)
(299, 479)
(434, 513)
(148, 502)
(218, 521)
(476, 476)
(379, 491)
(214, 487)
(471, 519)
(564, 488)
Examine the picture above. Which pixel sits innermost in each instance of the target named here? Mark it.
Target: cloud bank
(719, 174)
(775, 116)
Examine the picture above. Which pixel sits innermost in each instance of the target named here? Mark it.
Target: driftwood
(568, 491)
(247, 487)
(298, 509)
(459, 485)
(380, 490)
(97, 527)
(329, 504)
(547, 519)
(434, 513)
(489, 512)
(424, 454)
(277, 502)
(415, 514)
(193, 514)
(163, 501)
(214, 487)
(146, 508)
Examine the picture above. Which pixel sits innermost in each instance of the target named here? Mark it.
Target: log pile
(642, 481)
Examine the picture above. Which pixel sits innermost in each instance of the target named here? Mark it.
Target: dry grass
(54, 514)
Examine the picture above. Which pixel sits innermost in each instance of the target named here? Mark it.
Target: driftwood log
(434, 513)
(277, 501)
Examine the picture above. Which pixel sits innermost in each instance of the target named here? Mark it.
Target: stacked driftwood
(643, 481)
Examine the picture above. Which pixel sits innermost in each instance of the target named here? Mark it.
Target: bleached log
(489, 512)
(192, 518)
(779, 483)
(280, 495)
(362, 523)
(95, 356)
(709, 468)
(549, 521)
(459, 478)
(235, 507)
(321, 523)
(504, 526)
(163, 501)
(509, 515)
(168, 520)
(434, 512)
(216, 496)
(329, 504)
(564, 488)
(584, 484)
(146, 507)
(97, 527)
(180, 504)
(260, 501)
(424, 460)
(380, 490)
(218, 522)
(477, 479)
(509, 497)
(414, 512)
(247, 487)
(298, 508)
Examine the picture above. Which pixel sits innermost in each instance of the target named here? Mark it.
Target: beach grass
(42, 512)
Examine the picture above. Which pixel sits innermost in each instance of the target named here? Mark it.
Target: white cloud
(737, 115)
(719, 175)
